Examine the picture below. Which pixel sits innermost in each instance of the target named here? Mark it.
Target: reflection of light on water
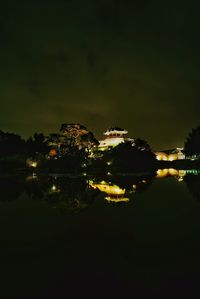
(134, 188)
(54, 188)
(193, 171)
(173, 172)
(178, 174)
(114, 192)
(31, 177)
(180, 179)
(118, 199)
(161, 173)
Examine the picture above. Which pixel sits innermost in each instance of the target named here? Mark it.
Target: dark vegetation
(69, 151)
(128, 157)
(193, 183)
(192, 143)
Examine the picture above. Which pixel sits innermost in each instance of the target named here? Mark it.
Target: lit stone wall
(110, 142)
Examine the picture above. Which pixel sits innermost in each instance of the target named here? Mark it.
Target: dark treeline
(75, 149)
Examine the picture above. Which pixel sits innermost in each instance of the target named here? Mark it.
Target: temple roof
(115, 130)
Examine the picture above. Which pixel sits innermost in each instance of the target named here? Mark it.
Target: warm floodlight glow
(173, 172)
(53, 153)
(176, 154)
(173, 157)
(115, 132)
(114, 137)
(114, 192)
(31, 163)
(161, 156)
(161, 173)
(110, 142)
(116, 200)
(53, 188)
(178, 174)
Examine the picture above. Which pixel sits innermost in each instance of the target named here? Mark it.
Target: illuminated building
(161, 156)
(114, 136)
(170, 155)
(113, 192)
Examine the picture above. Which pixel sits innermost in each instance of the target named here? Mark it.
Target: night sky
(101, 63)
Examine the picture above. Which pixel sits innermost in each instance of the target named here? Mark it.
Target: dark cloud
(134, 64)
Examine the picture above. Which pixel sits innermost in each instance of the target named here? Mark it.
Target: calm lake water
(111, 237)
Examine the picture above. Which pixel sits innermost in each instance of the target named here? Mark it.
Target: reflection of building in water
(114, 192)
(31, 177)
(170, 155)
(193, 171)
(167, 172)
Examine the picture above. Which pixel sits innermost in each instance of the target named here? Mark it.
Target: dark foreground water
(64, 238)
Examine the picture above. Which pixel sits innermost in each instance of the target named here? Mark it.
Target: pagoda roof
(115, 130)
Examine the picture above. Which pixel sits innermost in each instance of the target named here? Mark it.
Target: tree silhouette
(142, 144)
(192, 143)
(128, 157)
(37, 145)
(78, 135)
(11, 145)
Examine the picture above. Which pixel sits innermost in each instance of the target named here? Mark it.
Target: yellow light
(178, 174)
(162, 173)
(109, 189)
(161, 156)
(34, 164)
(180, 179)
(182, 173)
(53, 188)
(114, 192)
(116, 200)
(31, 163)
(173, 171)
(172, 157)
